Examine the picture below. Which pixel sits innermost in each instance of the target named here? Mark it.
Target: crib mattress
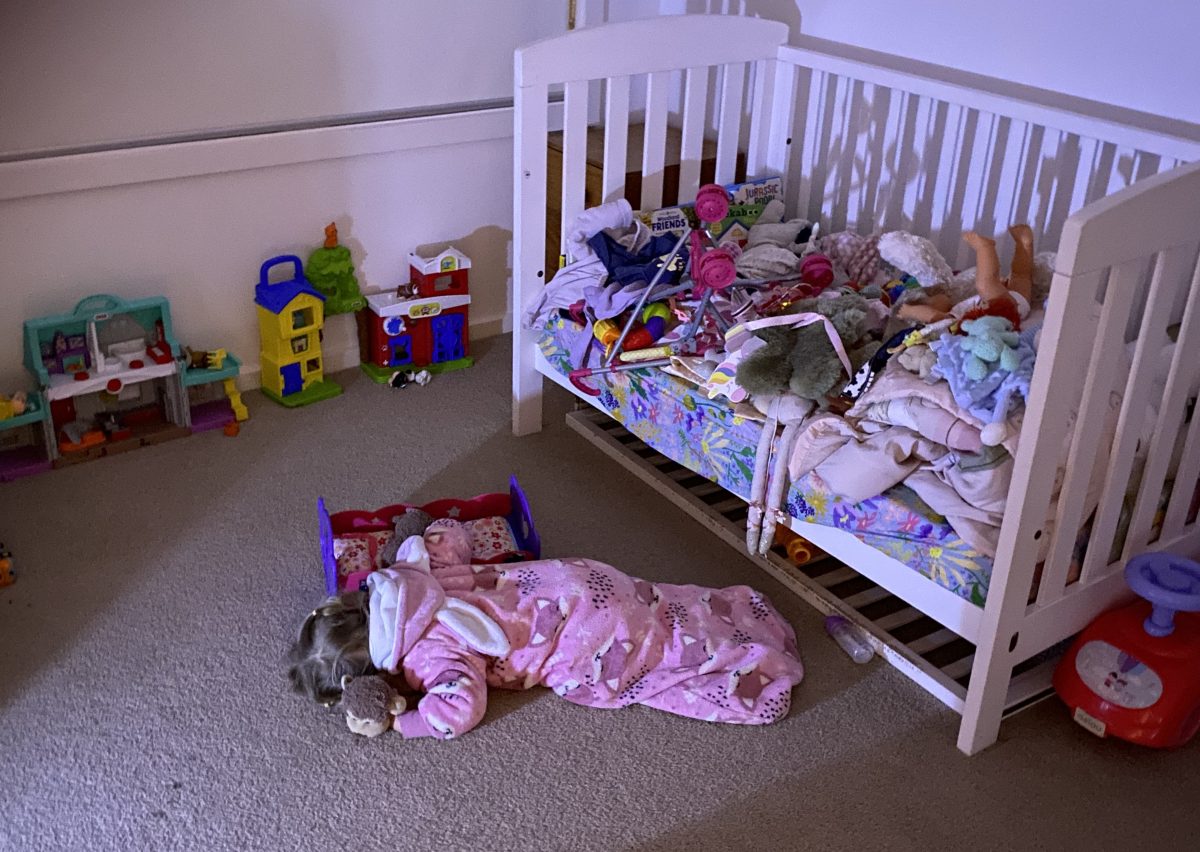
(706, 436)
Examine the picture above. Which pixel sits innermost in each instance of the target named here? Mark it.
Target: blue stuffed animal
(989, 341)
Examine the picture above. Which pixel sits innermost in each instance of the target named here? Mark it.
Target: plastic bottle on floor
(850, 638)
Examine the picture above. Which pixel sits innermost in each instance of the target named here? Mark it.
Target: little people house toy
(1134, 672)
(291, 315)
(422, 325)
(111, 377)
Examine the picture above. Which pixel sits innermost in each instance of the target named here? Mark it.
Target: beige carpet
(143, 703)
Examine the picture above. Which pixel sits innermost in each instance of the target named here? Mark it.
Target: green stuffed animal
(989, 340)
(802, 360)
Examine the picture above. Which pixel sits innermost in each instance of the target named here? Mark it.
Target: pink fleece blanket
(593, 634)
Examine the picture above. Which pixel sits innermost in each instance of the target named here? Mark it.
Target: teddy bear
(989, 340)
(413, 522)
(802, 360)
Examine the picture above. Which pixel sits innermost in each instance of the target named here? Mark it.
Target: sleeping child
(594, 635)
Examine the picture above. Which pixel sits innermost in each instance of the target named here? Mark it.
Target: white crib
(862, 144)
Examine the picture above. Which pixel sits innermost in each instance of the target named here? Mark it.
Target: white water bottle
(850, 638)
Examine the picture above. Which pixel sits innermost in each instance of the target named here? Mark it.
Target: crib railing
(859, 142)
(1127, 278)
(876, 147)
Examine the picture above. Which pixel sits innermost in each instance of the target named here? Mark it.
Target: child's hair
(333, 642)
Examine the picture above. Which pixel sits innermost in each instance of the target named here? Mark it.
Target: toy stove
(1134, 672)
(424, 325)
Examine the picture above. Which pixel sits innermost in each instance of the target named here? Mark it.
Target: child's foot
(977, 241)
(1023, 234)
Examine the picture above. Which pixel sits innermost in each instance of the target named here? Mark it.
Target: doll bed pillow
(492, 541)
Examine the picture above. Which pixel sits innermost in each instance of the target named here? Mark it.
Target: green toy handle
(99, 303)
(277, 261)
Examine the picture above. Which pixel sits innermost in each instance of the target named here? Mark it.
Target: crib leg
(527, 385)
(986, 696)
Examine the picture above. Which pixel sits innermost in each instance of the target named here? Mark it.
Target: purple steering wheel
(1170, 583)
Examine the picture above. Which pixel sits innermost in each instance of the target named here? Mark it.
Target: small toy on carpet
(370, 704)
(7, 575)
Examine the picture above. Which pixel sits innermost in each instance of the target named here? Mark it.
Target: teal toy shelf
(35, 412)
(196, 376)
(27, 459)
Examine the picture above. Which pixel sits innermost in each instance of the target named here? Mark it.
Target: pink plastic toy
(712, 203)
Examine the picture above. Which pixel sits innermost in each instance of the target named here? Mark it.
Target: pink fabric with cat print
(601, 638)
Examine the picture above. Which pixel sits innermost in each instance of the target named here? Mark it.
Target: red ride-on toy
(1134, 672)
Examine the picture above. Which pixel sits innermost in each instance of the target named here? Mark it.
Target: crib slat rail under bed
(936, 658)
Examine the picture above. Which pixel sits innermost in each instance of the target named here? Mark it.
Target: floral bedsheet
(706, 436)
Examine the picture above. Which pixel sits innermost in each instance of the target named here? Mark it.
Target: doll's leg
(987, 267)
(925, 312)
(1021, 279)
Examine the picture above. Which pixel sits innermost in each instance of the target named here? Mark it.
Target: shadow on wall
(490, 250)
(871, 158)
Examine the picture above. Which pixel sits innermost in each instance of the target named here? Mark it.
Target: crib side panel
(882, 149)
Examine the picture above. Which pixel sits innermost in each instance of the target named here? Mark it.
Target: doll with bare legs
(995, 296)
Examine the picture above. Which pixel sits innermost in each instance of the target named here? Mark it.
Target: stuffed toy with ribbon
(813, 359)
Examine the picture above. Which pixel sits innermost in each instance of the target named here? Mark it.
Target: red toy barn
(425, 325)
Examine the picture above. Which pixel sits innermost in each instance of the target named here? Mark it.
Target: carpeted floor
(143, 702)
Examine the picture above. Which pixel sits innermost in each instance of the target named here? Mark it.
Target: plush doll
(1009, 298)
(989, 341)
(774, 247)
(858, 255)
(802, 360)
(448, 543)
(370, 704)
(412, 522)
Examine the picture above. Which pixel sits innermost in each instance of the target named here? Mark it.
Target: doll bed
(861, 142)
(679, 421)
(513, 507)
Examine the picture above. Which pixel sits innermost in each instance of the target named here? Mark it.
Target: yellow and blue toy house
(291, 315)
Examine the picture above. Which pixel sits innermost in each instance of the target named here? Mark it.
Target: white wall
(200, 239)
(81, 72)
(192, 220)
(1137, 55)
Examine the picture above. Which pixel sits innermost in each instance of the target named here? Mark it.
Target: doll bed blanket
(719, 443)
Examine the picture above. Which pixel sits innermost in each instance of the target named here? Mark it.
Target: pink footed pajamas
(594, 635)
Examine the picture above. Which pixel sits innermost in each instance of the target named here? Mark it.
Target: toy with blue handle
(1170, 583)
(1134, 672)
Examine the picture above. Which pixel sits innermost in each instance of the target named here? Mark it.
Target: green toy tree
(331, 271)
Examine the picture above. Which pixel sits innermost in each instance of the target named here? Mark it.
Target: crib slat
(951, 122)
(1133, 412)
(921, 129)
(875, 113)
(1089, 425)
(807, 158)
(529, 221)
(1185, 481)
(575, 104)
(616, 137)
(691, 150)
(1188, 473)
(1184, 368)
(840, 152)
(658, 90)
(733, 82)
(758, 150)
(891, 207)
(972, 184)
(780, 144)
